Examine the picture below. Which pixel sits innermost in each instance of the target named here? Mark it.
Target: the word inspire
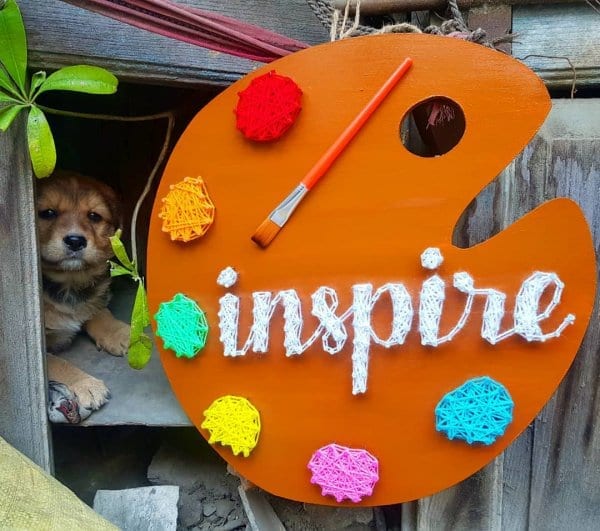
(332, 328)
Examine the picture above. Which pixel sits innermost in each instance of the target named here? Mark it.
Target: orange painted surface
(368, 220)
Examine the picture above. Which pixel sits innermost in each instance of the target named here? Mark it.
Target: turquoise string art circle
(478, 411)
(182, 326)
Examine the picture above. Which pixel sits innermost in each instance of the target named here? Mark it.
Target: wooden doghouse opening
(123, 154)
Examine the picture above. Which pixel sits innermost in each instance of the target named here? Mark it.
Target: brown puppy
(76, 217)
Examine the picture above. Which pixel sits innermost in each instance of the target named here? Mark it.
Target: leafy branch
(18, 92)
(140, 345)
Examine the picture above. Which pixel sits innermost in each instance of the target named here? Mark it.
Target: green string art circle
(182, 326)
(479, 411)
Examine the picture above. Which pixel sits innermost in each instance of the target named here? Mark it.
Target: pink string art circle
(268, 107)
(344, 472)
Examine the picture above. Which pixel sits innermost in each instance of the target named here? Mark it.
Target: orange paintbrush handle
(329, 157)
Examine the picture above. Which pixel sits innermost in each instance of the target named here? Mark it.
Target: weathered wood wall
(549, 36)
(549, 478)
(23, 417)
(59, 35)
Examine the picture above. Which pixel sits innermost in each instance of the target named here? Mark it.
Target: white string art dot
(431, 258)
(227, 278)
(343, 472)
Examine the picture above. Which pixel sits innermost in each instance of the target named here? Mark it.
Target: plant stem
(109, 117)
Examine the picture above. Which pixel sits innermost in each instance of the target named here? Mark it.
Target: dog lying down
(76, 215)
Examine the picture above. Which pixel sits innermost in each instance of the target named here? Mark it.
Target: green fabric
(32, 500)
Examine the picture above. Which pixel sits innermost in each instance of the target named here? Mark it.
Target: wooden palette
(369, 220)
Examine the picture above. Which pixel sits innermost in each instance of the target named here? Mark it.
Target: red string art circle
(268, 107)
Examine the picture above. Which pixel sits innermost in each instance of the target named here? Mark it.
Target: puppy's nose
(75, 242)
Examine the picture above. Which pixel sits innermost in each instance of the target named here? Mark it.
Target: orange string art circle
(187, 210)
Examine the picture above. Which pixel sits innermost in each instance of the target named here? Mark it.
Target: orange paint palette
(391, 337)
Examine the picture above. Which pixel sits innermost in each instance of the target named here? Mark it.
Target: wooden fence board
(565, 490)
(60, 34)
(549, 478)
(559, 30)
(23, 417)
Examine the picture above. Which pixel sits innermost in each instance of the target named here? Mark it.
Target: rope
(457, 15)
(341, 27)
(326, 13)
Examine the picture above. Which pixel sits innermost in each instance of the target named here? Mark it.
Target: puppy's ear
(116, 211)
(114, 204)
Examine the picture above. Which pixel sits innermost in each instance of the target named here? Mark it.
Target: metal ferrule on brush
(282, 213)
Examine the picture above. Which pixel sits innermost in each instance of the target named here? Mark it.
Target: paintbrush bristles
(265, 233)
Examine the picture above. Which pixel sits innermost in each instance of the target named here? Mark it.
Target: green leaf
(117, 270)
(81, 78)
(5, 98)
(7, 85)
(8, 114)
(13, 44)
(41, 143)
(37, 79)
(120, 252)
(140, 317)
(140, 352)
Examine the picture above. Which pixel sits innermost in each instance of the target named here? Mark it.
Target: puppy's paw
(62, 404)
(109, 333)
(91, 394)
(116, 342)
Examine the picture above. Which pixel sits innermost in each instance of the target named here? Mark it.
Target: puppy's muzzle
(75, 242)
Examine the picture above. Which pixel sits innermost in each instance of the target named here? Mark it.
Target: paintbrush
(271, 226)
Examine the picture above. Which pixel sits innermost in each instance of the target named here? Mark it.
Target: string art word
(332, 327)
(479, 411)
(187, 210)
(182, 326)
(344, 473)
(233, 421)
(268, 107)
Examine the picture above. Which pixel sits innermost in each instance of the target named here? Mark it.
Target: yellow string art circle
(187, 210)
(233, 421)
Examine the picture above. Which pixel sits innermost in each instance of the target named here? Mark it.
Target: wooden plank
(259, 512)
(566, 445)
(379, 7)
(559, 30)
(141, 397)
(60, 34)
(23, 417)
(475, 503)
(548, 478)
(472, 504)
(518, 190)
(496, 20)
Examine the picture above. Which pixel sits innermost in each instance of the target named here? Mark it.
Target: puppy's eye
(94, 217)
(48, 213)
